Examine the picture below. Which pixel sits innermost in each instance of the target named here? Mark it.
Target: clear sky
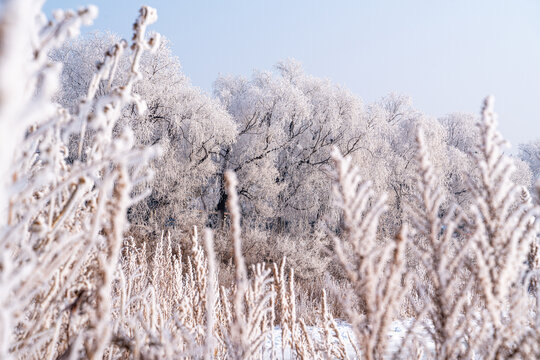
(447, 54)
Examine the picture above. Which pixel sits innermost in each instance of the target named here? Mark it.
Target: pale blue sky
(447, 55)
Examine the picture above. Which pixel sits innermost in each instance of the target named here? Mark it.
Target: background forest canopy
(276, 131)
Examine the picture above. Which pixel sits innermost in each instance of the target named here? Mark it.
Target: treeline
(276, 131)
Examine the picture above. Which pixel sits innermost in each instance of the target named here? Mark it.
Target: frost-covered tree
(287, 125)
(530, 153)
(191, 128)
(461, 135)
(388, 150)
(187, 124)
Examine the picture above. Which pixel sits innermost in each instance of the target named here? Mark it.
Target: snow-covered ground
(397, 332)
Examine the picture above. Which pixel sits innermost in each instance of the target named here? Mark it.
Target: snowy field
(396, 334)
